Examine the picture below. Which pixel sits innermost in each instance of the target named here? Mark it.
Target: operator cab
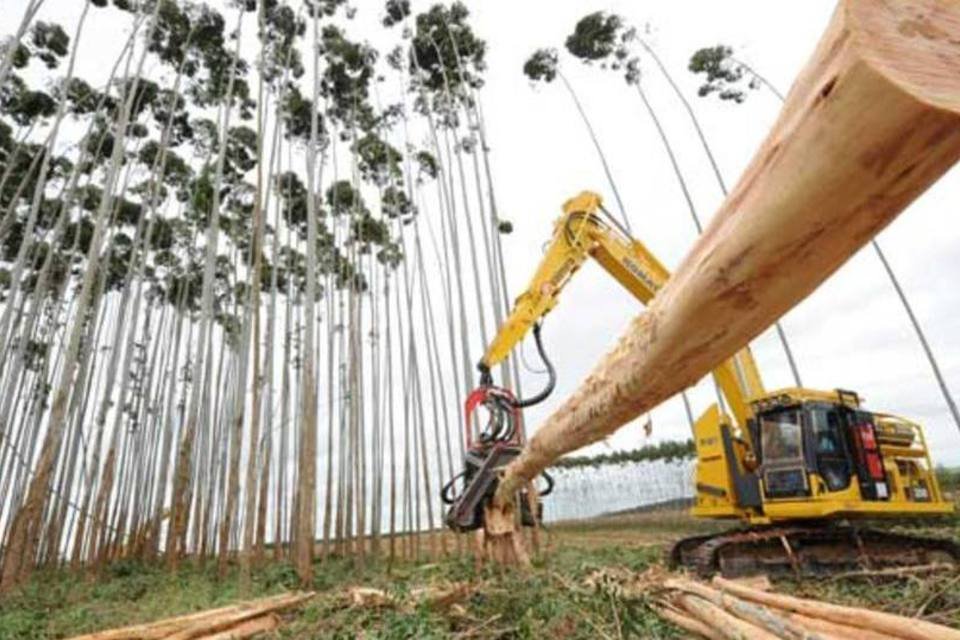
(811, 444)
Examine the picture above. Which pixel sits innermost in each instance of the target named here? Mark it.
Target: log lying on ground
(230, 620)
(836, 630)
(233, 618)
(729, 625)
(729, 609)
(247, 629)
(878, 621)
(755, 614)
(687, 623)
(872, 121)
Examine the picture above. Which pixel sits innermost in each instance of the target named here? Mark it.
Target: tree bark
(872, 121)
(899, 626)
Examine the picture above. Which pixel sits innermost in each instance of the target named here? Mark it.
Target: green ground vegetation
(552, 600)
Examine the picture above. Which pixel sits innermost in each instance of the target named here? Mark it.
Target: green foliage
(948, 478)
(723, 76)
(395, 204)
(24, 167)
(21, 56)
(170, 38)
(49, 43)
(667, 450)
(82, 99)
(396, 12)
(428, 164)
(296, 113)
(368, 230)
(442, 36)
(283, 27)
(322, 8)
(346, 79)
(378, 161)
(23, 105)
(542, 65)
(342, 198)
(595, 36)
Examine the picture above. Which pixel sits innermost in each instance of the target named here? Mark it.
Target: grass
(550, 601)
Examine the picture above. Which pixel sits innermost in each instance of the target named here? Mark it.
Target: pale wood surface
(897, 626)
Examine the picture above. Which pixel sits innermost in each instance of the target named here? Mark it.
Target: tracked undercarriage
(807, 549)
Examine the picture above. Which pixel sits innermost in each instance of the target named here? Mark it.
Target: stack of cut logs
(242, 620)
(728, 609)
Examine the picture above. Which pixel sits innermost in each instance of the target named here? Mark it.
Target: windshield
(781, 437)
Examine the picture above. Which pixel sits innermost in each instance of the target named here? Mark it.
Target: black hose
(445, 492)
(551, 372)
(549, 489)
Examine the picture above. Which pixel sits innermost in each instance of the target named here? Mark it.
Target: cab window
(832, 463)
(781, 438)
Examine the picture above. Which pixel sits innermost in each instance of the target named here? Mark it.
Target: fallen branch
(895, 572)
(370, 598)
(444, 597)
(247, 629)
(230, 620)
(475, 631)
(939, 592)
(163, 628)
(862, 618)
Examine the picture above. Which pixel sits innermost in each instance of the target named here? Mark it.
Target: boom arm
(581, 233)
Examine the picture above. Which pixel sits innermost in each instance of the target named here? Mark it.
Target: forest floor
(550, 601)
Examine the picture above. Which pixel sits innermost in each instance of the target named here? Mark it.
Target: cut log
(163, 628)
(728, 625)
(758, 615)
(888, 623)
(687, 623)
(836, 630)
(228, 621)
(247, 629)
(871, 122)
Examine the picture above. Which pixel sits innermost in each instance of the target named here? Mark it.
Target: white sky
(851, 333)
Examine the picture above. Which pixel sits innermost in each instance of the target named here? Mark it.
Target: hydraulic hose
(551, 372)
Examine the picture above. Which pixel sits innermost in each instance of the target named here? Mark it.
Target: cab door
(782, 454)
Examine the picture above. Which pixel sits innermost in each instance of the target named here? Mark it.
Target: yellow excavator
(796, 466)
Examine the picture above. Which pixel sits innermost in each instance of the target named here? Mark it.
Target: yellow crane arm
(581, 233)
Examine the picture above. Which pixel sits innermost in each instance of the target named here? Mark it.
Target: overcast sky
(851, 333)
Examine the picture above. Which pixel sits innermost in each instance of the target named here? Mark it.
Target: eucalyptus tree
(24, 536)
(226, 84)
(13, 49)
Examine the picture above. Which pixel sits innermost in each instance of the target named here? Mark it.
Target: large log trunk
(871, 122)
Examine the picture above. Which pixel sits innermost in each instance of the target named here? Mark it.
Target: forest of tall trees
(241, 285)
(246, 273)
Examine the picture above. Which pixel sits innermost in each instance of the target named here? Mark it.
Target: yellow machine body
(818, 431)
